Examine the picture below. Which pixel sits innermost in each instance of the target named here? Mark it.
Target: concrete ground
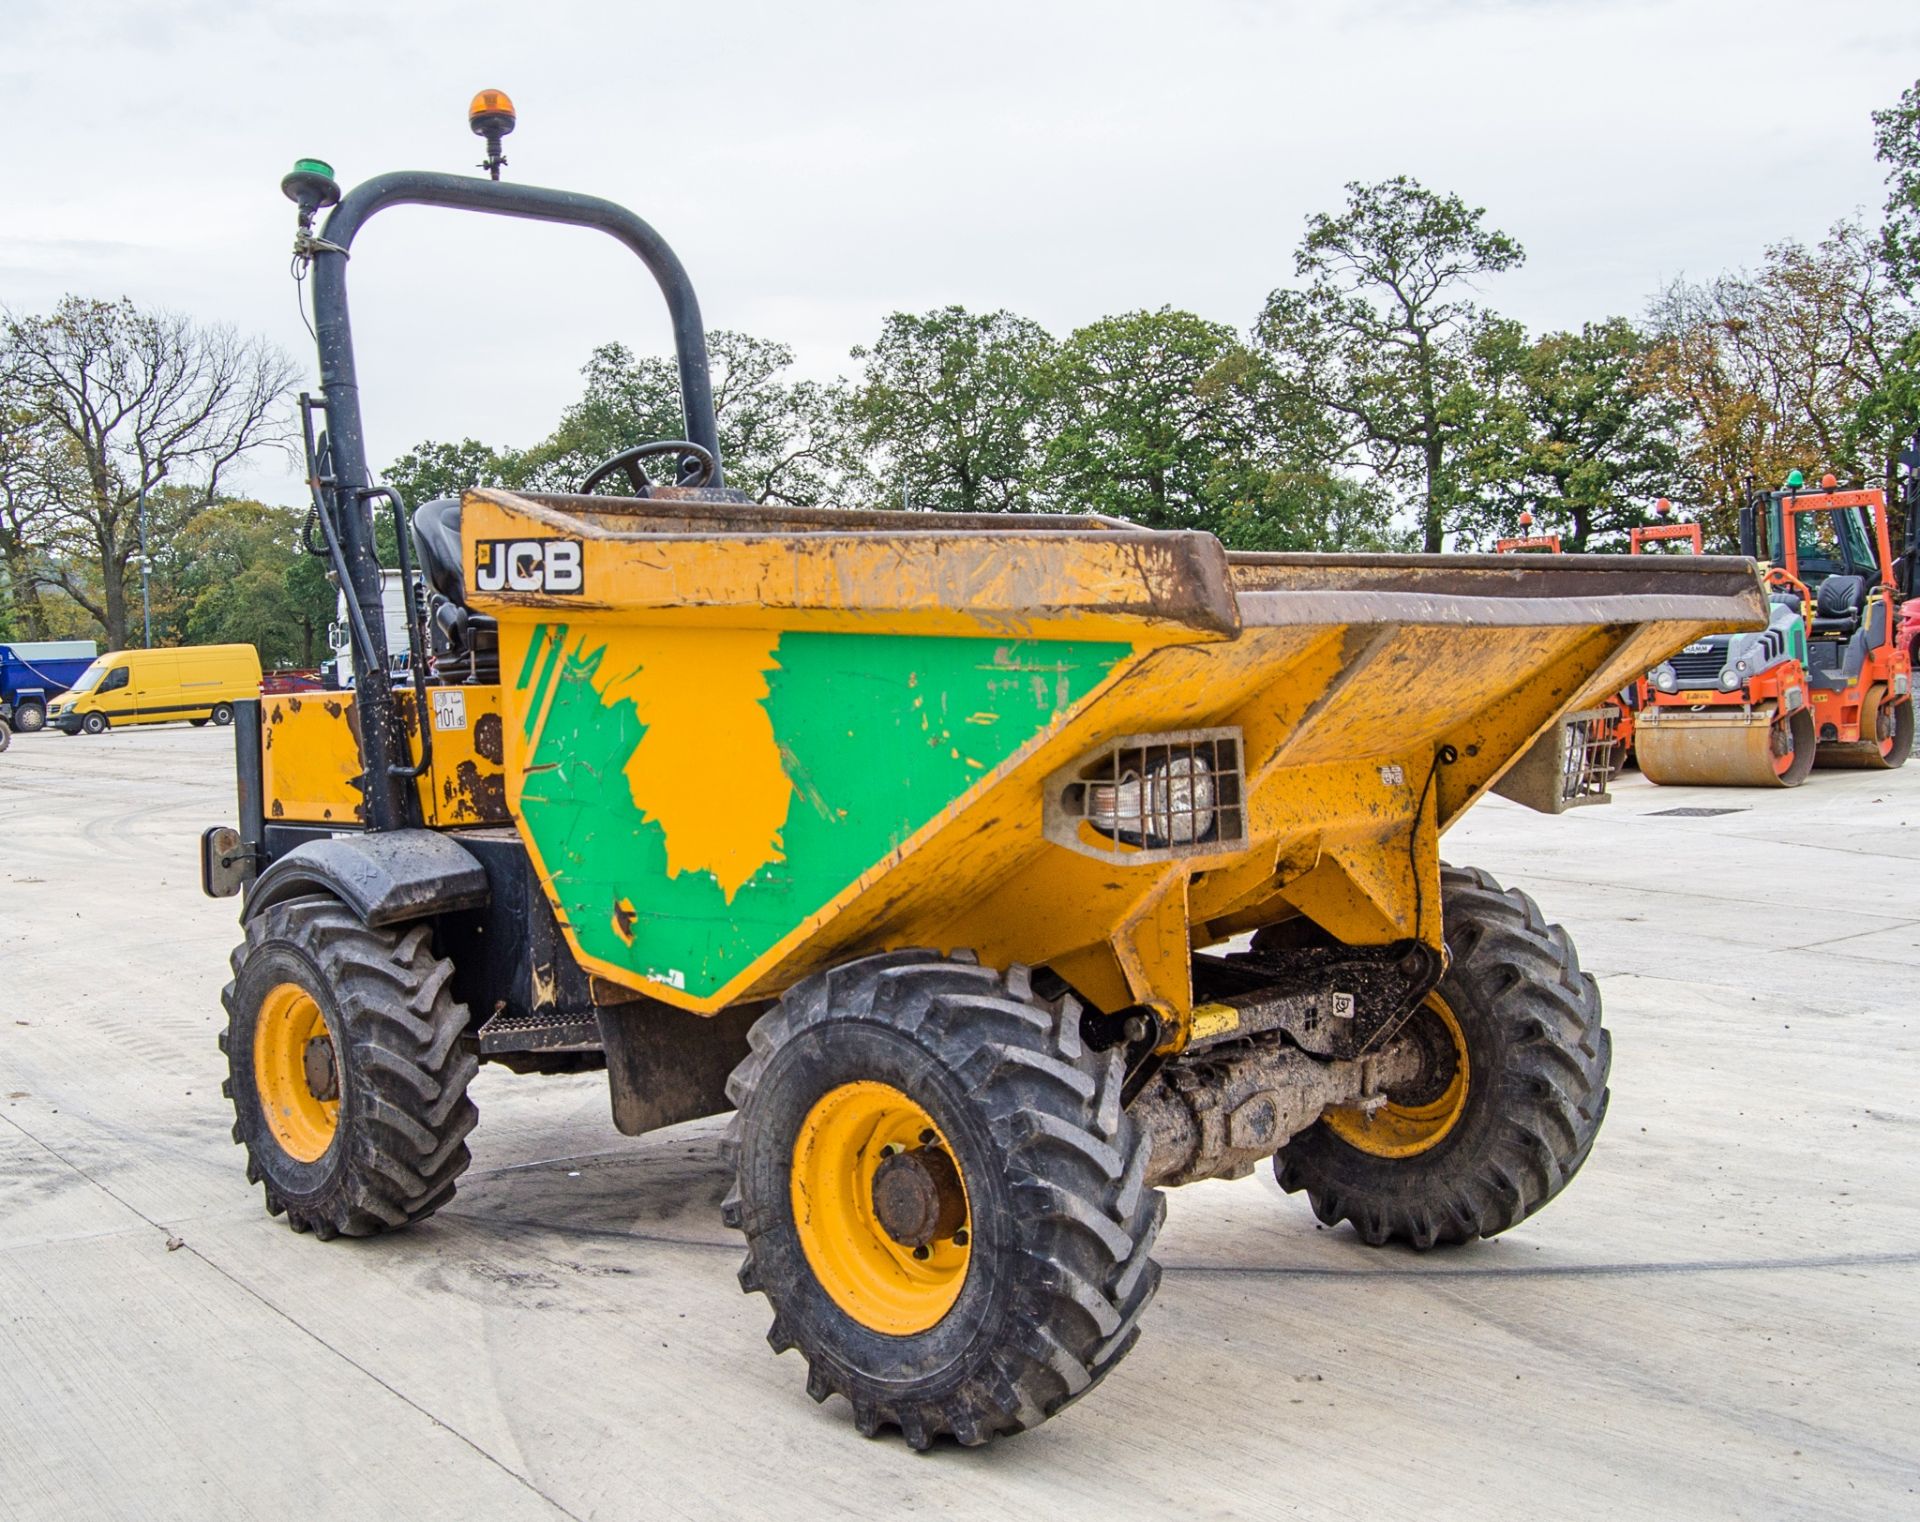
(1721, 1317)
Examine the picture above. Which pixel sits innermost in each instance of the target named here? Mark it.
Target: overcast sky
(818, 165)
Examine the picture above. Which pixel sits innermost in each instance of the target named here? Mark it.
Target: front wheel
(1508, 1103)
(346, 1069)
(94, 724)
(942, 1197)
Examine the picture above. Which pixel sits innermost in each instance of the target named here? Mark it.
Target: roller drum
(1733, 749)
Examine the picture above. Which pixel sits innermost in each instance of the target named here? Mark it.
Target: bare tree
(137, 399)
(25, 514)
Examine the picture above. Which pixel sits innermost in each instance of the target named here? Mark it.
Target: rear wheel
(942, 1197)
(29, 718)
(222, 714)
(94, 724)
(346, 1069)
(1507, 1106)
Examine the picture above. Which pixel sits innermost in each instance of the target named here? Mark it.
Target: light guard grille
(1152, 797)
(1589, 765)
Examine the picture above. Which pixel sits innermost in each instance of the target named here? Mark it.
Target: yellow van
(192, 682)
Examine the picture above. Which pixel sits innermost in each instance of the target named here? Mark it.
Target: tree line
(1379, 401)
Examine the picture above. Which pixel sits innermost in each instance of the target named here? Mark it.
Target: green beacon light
(1795, 480)
(310, 185)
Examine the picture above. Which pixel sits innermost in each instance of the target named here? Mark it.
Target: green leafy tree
(432, 470)
(238, 575)
(1896, 142)
(947, 409)
(781, 439)
(1147, 419)
(1582, 438)
(1307, 509)
(1384, 340)
(1891, 410)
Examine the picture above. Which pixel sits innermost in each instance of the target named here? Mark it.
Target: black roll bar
(384, 752)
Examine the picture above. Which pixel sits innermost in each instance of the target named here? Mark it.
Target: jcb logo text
(527, 565)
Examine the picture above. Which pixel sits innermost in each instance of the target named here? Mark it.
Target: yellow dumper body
(742, 745)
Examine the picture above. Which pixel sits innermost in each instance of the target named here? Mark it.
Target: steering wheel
(697, 469)
(1785, 581)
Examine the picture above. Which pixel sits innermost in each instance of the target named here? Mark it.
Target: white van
(396, 600)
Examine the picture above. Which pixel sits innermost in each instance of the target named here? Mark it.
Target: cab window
(1830, 541)
(114, 679)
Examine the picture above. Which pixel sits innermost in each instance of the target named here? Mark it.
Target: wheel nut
(960, 1237)
(923, 1253)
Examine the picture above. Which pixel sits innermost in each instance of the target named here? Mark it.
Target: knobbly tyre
(918, 841)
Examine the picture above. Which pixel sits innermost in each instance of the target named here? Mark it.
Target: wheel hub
(1419, 1115)
(917, 1197)
(880, 1207)
(295, 1072)
(323, 1078)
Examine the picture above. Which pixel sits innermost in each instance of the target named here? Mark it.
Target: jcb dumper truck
(997, 872)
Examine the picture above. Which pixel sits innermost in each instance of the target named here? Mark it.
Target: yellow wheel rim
(876, 1280)
(1405, 1130)
(301, 1123)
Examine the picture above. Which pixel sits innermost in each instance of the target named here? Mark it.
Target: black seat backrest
(1838, 597)
(436, 535)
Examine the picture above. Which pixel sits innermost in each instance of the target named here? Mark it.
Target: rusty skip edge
(690, 511)
(1498, 589)
(1185, 577)
(1167, 577)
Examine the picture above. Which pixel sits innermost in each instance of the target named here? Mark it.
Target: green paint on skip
(556, 636)
(877, 735)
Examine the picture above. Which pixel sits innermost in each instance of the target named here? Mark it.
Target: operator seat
(436, 536)
(1837, 605)
(460, 638)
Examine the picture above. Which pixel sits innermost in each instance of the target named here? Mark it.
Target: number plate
(449, 709)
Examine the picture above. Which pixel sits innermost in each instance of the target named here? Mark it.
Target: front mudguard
(386, 878)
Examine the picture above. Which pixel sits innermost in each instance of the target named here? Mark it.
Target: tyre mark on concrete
(1811, 1262)
(247, 1289)
(1851, 1448)
(1864, 1260)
